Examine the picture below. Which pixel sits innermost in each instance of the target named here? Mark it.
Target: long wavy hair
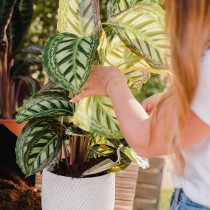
(188, 26)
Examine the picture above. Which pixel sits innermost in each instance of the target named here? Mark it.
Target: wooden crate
(126, 187)
(148, 186)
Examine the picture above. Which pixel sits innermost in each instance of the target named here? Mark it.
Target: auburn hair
(188, 26)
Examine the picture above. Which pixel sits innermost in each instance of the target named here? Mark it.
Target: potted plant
(84, 141)
(16, 82)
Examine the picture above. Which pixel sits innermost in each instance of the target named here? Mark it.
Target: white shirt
(196, 179)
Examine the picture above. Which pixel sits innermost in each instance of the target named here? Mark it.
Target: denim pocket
(172, 200)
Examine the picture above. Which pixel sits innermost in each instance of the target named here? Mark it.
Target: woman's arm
(134, 122)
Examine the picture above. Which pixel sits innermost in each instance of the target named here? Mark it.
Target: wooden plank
(147, 191)
(144, 204)
(150, 178)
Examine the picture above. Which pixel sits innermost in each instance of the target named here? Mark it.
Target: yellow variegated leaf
(102, 48)
(120, 5)
(117, 54)
(96, 139)
(136, 78)
(99, 117)
(143, 66)
(79, 17)
(142, 29)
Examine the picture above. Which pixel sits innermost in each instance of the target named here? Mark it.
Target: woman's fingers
(147, 107)
(83, 94)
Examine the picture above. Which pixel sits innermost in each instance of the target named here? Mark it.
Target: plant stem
(65, 154)
(84, 148)
(7, 88)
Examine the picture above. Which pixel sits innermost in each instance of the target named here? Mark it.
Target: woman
(180, 119)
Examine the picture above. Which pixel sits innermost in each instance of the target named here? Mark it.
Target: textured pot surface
(65, 193)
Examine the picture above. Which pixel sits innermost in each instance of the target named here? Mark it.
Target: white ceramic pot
(65, 193)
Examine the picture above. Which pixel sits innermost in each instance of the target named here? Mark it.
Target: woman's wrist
(116, 83)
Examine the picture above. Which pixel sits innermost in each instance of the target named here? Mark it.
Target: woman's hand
(149, 103)
(101, 80)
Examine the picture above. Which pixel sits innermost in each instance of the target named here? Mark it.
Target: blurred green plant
(16, 82)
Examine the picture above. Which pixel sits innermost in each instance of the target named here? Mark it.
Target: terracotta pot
(12, 126)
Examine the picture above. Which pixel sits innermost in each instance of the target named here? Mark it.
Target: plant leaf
(5, 11)
(117, 54)
(37, 145)
(117, 6)
(22, 65)
(142, 29)
(102, 150)
(96, 115)
(44, 104)
(15, 29)
(33, 49)
(136, 78)
(31, 83)
(26, 11)
(78, 17)
(68, 59)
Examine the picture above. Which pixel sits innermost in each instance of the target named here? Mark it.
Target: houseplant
(16, 82)
(132, 39)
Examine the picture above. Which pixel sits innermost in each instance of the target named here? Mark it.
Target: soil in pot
(76, 170)
(15, 194)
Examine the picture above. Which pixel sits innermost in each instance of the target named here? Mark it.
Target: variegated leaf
(34, 129)
(102, 150)
(136, 78)
(124, 163)
(79, 17)
(49, 103)
(117, 54)
(68, 59)
(99, 117)
(96, 139)
(75, 131)
(154, 1)
(117, 6)
(142, 29)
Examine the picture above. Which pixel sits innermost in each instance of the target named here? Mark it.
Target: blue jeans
(180, 201)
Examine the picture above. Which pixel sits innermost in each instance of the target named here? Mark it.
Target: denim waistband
(179, 195)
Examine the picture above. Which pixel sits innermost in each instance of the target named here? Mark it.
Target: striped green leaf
(49, 103)
(142, 29)
(32, 128)
(38, 145)
(78, 17)
(96, 115)
(68, 59)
